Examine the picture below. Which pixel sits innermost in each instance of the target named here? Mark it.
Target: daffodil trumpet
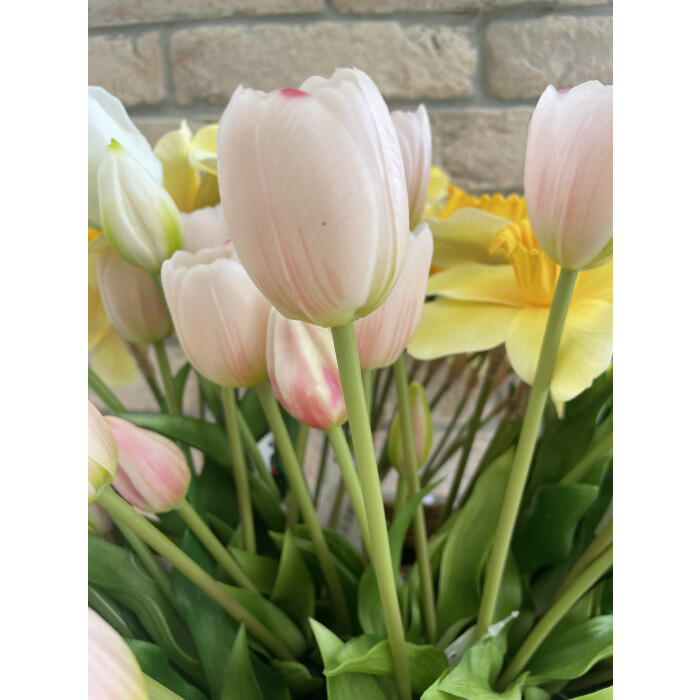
(525, 449)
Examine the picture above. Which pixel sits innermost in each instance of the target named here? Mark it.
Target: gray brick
(409, 62)
(131, 69)
(387, 6)
(525, 57)
(483, 150)
(103, 13)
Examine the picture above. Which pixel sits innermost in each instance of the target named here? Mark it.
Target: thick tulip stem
(240, 475)
(167, 377)
(380, 553)
(121, 511)
(303, 497)
(420, 535)
(526, 447)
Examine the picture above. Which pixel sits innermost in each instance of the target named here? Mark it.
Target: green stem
(351, 480)
(212, 544)
(301, 493)
(157, 691)
(594, 550)
(554, 615)
(526, 447)
(292, 513)
(140, 354)
(300, 446)
(143, 552)
(119, 509)
(602, 449)
(321, 468)
(337, 505)
(420, 535)
(167, 378)
(380, 553)
(105, 393)
(378, 406)
(254, 452)
(428, 471)
(400, 497)
(240, 474)
(367, 378)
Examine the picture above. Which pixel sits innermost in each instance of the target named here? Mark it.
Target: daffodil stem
(380, 553)
(526, 447)
(602, 449)
(554, 615)
(157, 691)
(303, 497)
(240, 474)
(350, 478)
(120, 510)
(105, 393)
(167, 378)
(420, 535)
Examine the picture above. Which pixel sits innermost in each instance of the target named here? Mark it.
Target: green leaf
(154, 663)
(211, 393)
(252, 411)
(546, 535)
(338, 546)
(573, 653)
(109, 611)
(261, 570)
(240, 682)
(293, 590)
(510, 594)
(604, 694)
(218, 494)
(468, 543)
(116, 571)
(180, 381)
(297, 677)
(266, 504)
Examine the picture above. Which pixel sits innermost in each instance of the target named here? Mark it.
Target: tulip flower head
(107, 120)
(113, 672)
(131, 300)
(383, 334)
(568, 174)
(152, 474)
(102, 453)
(304, 372)
(313, 190)
(205, 228)
(100, 522)
(413, 130)
(139, 218)
(422, 423)
(220, 316)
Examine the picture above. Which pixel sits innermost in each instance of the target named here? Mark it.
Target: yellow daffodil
(437, 192)
(110, 358)
(495, 285)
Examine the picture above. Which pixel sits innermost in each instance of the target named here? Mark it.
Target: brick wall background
(478, 65)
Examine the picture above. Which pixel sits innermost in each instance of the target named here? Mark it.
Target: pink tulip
(219, 315)
(204, 228)
(413, 130)
(152, 474)
(568, 174)
(304, 372)
(113, 672)
(422, 424)
(313, 190)
(383, 335)
(131, 300)
(102, 453)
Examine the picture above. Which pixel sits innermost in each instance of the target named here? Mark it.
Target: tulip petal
(112, 361)
(475, 282)
(448, 327)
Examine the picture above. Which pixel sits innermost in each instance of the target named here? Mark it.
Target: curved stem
(105, 393)
(526, 447)
(240, 474)
(301, 493)
(167, 377)
(420, 535)
(602, 449)
(119, 509)
(351, 380)
(554, 615)
(212, 544)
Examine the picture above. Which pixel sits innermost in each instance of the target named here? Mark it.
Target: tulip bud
(152, 473)
(413, 130)
(382, 336)
(113, 672)
(139, 217)
(313, 190)
(220, 316)
(568, 174)
(107, 120)
(304, 372)
(102, 453)
(422, 423)
(205, 228)
(131, 300)
(99, 521)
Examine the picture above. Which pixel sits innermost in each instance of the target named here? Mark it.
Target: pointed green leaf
(297, 677)
(240, 682)
(261, 570)
(180, 381)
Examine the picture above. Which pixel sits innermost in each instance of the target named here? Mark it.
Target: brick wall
(478, 65)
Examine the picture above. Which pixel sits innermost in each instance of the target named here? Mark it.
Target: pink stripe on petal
(292, 93)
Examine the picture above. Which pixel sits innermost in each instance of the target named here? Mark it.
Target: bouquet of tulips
(301, 250)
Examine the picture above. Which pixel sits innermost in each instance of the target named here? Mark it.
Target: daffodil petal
(203, 152)
(595, 284)
(584, 352)
(179, 178)
(477, 282)
(98, 323)
(437, 185)
(448, 327)
(466, 236)
(112, 361)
